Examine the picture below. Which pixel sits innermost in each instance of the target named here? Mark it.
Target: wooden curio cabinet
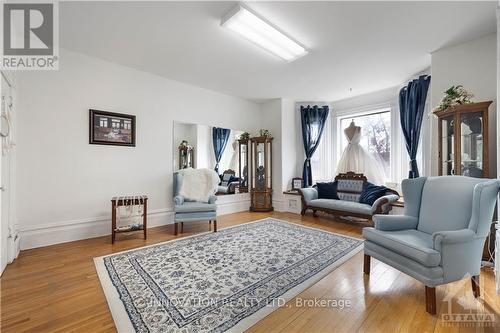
(463, 140)
(244, 154)
(186, 157)
(261, 174)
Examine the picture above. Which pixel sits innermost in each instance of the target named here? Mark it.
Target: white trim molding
(73, 230)
(40, 235)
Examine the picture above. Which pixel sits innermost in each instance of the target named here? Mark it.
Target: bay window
(375, 135)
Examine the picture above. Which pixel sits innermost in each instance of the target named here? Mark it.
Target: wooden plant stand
(126, 201)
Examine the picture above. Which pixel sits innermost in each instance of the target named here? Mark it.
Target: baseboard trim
(235, 206)
(72, 230)
(69, 231)
(85, 221)
(278, 205)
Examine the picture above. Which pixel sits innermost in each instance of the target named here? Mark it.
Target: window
(375, 135)
(103, 122)
(321, 161)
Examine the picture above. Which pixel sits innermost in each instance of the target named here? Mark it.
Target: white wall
(362, 101)
(473, 65)
(291, 144)
(64, 183)
(271, 120)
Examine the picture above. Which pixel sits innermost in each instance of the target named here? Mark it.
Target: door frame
(5, 255)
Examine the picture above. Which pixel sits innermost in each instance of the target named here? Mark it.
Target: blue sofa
(349, 188)
(441, 235)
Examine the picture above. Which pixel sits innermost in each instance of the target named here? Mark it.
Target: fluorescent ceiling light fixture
(263, 34)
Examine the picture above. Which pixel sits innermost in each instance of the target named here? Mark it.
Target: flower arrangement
(244, 136)
(455, 95)
(264, 132)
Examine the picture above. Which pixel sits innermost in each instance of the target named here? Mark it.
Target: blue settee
(349, 189)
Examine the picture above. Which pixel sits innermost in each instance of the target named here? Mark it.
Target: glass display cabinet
(243, 145)
(186, 156)
(261, 174)
(463, 140)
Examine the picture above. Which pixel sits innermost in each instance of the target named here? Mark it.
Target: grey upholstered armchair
(441, 235)
(192, 211)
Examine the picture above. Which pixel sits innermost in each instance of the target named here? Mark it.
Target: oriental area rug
(218, 282)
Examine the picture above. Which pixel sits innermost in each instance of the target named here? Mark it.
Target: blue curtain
(220, 136)
(411, 108)
(313, 123)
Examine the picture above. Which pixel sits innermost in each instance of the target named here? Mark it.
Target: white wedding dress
(356, 159)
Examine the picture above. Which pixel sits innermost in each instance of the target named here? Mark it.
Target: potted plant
(455, 95)
(265, 132)
(244, 136)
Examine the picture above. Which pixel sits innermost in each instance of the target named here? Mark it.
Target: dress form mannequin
(358, 160)
(351, 130)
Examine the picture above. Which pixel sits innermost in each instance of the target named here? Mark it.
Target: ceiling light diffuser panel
(258, 31)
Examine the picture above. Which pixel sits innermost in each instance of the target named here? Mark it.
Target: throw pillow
(371, 193)
(234, 179)
(327, 190)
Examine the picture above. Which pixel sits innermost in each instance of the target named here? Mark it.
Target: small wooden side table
(127, 201)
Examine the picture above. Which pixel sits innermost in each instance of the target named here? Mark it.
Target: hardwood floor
(56, 289)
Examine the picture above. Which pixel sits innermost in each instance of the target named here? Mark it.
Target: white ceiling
(365, 46)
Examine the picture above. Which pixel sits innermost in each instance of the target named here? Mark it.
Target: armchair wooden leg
(476, 290)
(430, 300)
(176, 228)
(182, 227)
(366, 264)
(303, 212)
(215, 225)
(314, 213)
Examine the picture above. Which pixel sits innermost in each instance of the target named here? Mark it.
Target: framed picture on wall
(297, 183)
(109, 128)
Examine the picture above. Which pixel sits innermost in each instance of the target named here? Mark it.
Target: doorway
(5, 172)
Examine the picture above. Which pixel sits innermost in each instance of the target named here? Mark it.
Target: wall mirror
(202, 146)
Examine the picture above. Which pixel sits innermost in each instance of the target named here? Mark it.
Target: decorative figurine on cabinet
(186, 155)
